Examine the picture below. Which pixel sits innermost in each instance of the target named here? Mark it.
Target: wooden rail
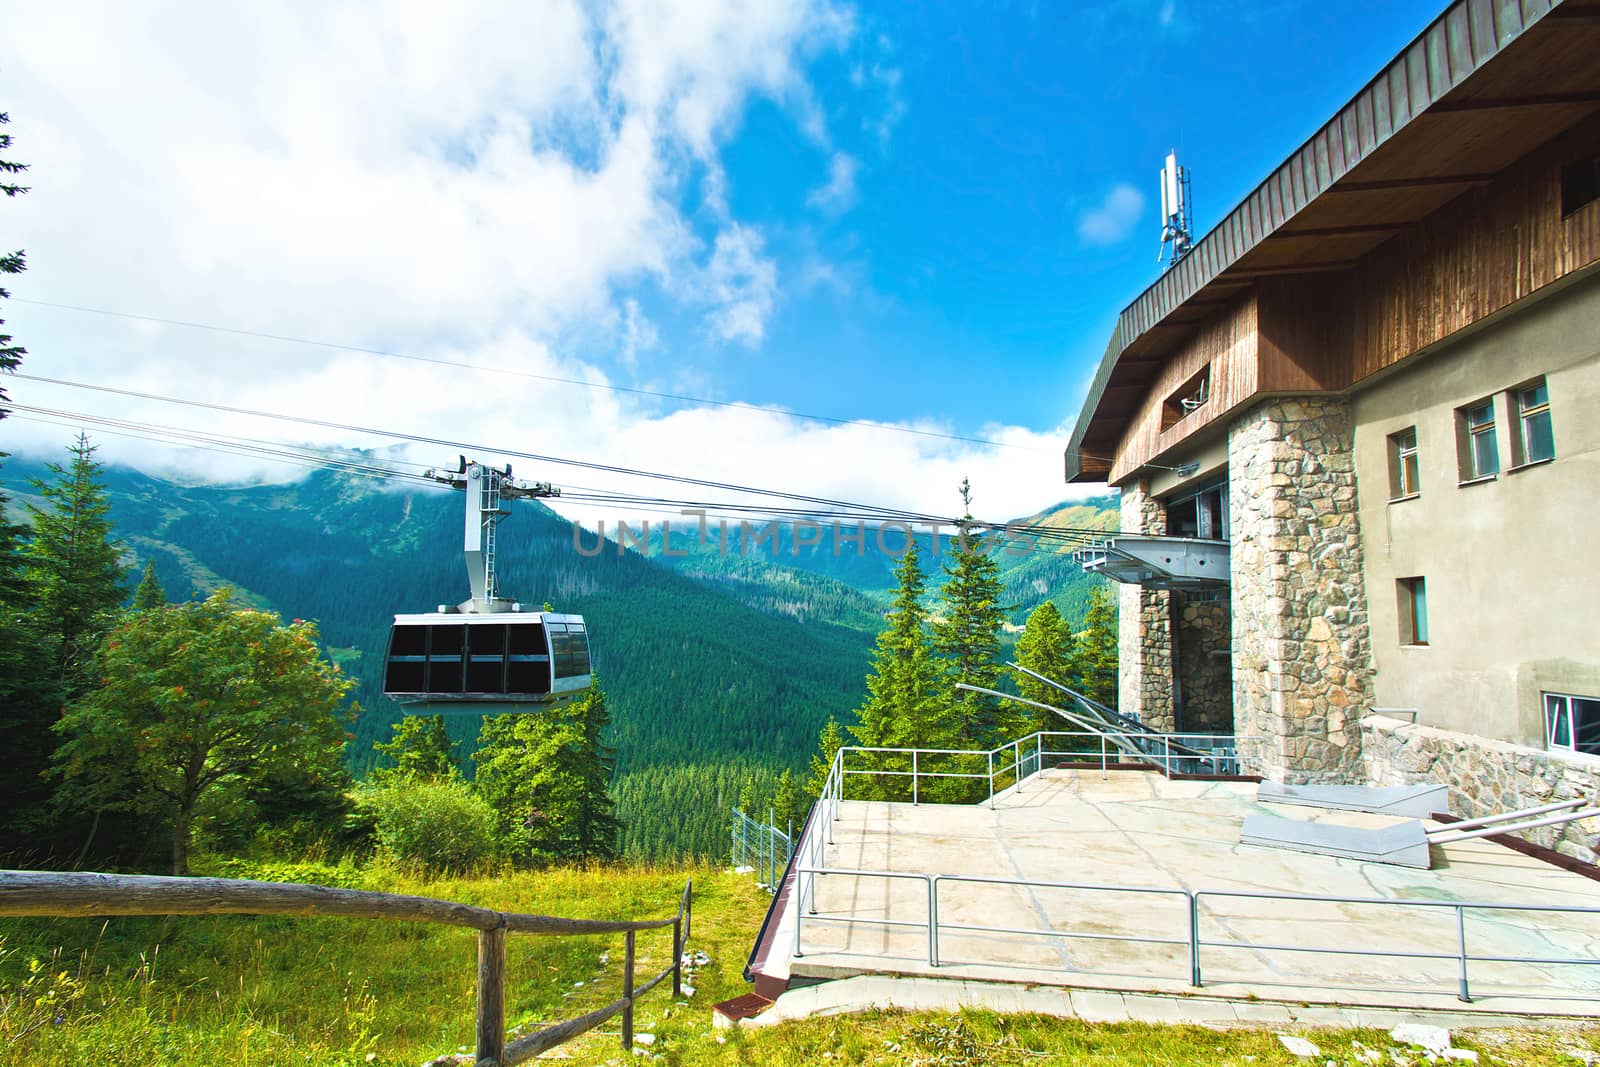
(70, 894)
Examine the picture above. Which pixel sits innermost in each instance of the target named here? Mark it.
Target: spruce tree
(1094, 661)
(30, 701)
(907, 705)
(546, 777)
(1046, 647)
(785, 801)
(829, 742)
(149, 595)
(967, 638)
(10, 262)
(74, 566)
(420, 749)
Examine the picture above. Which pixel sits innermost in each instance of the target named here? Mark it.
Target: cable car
(488, 663)
(486, 655)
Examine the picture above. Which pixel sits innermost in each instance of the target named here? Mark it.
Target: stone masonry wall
(1144, 624)
(1485, 776)
(1302, 655)
(1205, 672)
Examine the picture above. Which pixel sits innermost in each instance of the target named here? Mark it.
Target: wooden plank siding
(1486, 249)
(1228, 347)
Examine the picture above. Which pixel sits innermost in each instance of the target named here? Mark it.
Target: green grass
(255, 991)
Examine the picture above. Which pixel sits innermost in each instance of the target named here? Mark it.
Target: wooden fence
(69, 894)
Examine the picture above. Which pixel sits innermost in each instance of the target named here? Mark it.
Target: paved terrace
(1139, 829)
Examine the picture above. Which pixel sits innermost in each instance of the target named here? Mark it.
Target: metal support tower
(489, 493)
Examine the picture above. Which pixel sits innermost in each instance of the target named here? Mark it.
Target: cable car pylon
(486, 655)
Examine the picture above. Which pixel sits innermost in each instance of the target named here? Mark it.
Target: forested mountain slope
(720, 666)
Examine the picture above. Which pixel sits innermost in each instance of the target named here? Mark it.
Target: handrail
(67, 894)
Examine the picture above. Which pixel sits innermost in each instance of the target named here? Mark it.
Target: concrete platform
(1137, 829)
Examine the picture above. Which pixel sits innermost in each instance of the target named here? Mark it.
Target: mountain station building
(1356, 432)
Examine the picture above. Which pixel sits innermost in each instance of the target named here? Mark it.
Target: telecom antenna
(1177, 219)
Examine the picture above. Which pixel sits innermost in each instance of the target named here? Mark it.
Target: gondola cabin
(486, 663)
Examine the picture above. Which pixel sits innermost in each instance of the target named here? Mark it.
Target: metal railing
(1013, 763)
(1025, 758)
(762, 847)
(69, 894)
(1189, 938)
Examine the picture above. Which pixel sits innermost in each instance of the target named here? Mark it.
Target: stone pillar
(1302, 663)
(1204, 663)
(1144, 625)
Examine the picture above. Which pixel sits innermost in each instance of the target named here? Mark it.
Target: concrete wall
(1512, 565)
(1301, 656)
(1485, 776)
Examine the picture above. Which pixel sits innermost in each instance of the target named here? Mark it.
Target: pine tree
(968, 636)
(1094, 661)
(10, 262)
(149, 595)
(420, 749)
(75, 566)
(1045, 647)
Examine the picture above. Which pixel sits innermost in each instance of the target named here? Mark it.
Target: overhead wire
(826, 509)
(529, 375)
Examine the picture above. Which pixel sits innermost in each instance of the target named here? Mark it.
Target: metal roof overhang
(1159, 562)
(1437, 121)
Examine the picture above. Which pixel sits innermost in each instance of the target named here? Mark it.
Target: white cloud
(478, 184)
(1111, 220)
(741, 286)
(839, 193)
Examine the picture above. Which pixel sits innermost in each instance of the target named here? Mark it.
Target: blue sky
(926, 215)
(971, 293)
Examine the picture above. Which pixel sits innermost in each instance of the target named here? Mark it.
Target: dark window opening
(1200, 513)
(1191, 396)
(1580, 185)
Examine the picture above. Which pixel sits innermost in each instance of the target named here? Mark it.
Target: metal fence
(762, 847)
(1024, 758)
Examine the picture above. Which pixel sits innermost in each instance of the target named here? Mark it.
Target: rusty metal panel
(1508, 21)
(1458, 44)
(1480, 13)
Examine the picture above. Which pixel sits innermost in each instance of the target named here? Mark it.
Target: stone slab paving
(1139, 830)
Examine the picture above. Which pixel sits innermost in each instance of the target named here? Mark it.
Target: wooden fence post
(677, 957)
(627, 995)
(492, 995)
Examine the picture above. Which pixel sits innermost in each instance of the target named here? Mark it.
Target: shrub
(441, 824)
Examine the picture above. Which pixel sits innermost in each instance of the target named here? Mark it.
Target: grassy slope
(242, 990)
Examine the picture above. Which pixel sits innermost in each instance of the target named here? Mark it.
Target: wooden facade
(1296, 331)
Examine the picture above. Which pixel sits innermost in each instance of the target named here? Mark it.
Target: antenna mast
(489, 495)
(1177, 219)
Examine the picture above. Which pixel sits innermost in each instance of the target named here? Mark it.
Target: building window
(1480, 455)
(1404, 475)
(1580, 184)
(1532, 438)
(1202, 513)
(1572, 723)
(1412, 594)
